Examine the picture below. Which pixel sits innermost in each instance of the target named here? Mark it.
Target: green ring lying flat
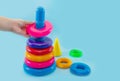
(76, 53)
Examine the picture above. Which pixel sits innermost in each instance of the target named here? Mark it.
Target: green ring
(76, 53)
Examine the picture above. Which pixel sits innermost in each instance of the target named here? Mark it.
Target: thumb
(22, 23)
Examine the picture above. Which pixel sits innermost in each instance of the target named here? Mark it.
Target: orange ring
(41, 58)
(63, 63)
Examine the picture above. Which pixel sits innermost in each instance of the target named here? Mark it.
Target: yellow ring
(63, 63)
(36, 58)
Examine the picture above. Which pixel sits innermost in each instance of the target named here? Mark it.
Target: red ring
(39, 51)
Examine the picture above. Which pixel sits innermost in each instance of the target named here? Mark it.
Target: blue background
(90, 25)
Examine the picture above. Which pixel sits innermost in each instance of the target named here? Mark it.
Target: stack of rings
(39, 58)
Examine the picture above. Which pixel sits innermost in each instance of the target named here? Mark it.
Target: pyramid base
(39, 72)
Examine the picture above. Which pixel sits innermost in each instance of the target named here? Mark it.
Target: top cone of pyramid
(57, 49)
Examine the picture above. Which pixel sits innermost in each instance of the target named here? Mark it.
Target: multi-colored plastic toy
(63, 63)
(40, 53)
(80, 69)
(39, 58)
(57, 49)
(75, 53)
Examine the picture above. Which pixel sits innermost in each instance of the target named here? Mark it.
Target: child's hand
(14, 25)
(19, 27)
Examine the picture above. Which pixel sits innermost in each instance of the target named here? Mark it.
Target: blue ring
(44, 42)
(39, 72)
(80, 69)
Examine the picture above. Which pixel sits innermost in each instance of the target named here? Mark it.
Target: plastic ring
(39, 51)
(36, 58)
(39, 64)
(80, 69)
(33, 31)
(43, 44)
(75, 53)
(39, 72)
(38, 39)
(63, 63)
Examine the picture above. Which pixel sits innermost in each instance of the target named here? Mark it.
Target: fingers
(20, 31)
(20, 27)
(27, 22)
(24, 21)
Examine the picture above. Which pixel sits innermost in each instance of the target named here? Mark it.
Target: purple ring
(33, 43)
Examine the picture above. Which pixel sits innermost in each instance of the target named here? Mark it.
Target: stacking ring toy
(80, 69)
(32, 31)
(63, 63)
(39, 72)
(43, 44)
(39, 51)
(42, 58)
(39, 64)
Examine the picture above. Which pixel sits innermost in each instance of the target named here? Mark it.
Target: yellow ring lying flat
(42, 58)
(63, 63)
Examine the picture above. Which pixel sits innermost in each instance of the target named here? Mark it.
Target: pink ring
(32, 31)
(39, 64)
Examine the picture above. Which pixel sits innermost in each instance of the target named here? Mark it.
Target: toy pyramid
(39, 58)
